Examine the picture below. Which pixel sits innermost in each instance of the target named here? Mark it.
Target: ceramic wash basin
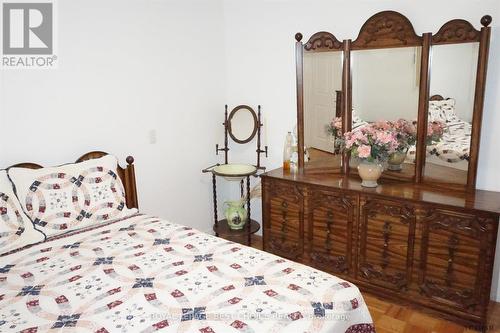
(234, 172)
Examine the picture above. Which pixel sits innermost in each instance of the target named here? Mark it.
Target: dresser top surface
(481, 200)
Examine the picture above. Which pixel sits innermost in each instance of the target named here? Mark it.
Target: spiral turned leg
(214, 189)
(249, 222)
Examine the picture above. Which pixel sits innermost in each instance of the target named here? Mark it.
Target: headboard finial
(298, 36)
(130, 160)
(486, 20)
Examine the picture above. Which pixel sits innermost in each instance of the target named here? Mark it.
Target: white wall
(385, 83)
(260, 60)
(445, 61)
(127, 67)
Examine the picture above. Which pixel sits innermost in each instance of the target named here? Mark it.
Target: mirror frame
(390, 29)
(460, 31)
(230, 129)
(322, 41)
(386, 30)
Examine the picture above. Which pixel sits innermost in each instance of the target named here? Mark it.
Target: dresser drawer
(283, 219)
(456, 257)
(331, 221)
(386, 250)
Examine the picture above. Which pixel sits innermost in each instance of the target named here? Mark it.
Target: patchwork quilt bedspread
(454, 146)
(144, 274)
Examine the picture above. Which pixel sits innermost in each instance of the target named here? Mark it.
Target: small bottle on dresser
(287, 152)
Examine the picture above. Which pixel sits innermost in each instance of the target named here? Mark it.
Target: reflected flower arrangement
(377, 141)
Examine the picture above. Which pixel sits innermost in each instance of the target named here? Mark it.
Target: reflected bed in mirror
(385, 88)
(452, 86)
(322, 104)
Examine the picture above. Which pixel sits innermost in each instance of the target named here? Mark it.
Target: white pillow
(436, 112)
(356, 120)
(16, 230)
(72, 196)
(443, 110)
(448, 107)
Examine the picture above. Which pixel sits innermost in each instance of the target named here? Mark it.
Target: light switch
(152, 136)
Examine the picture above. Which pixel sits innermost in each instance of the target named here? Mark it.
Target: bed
(138, 273)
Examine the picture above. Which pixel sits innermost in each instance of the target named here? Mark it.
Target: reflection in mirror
(385, 91)
(242, 125)
(451, 105)
(322, 104)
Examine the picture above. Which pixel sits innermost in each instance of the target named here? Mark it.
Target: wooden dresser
(409, 242)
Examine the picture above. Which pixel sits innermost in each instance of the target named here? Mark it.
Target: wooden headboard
(437, 98)
(127, 174)
(338, 103)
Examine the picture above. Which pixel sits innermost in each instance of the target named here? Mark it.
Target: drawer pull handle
(386, 233)
(284, 221)
(453, 242)
(329, 222)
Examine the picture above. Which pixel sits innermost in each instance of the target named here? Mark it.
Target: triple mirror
(431, 84)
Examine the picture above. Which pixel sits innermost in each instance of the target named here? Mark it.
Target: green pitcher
(236, 214)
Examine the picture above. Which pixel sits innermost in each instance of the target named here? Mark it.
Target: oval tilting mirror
(242, 124)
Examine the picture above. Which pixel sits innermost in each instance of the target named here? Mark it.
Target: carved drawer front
(456, 258)
(284, 225)
(387, 235)
(331, 222)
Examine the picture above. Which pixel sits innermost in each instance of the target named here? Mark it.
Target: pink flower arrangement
(335, 127)
(372, 143)
(335, 130)
(435, 131)
(404, 130)
(378, 140)
(364, 151)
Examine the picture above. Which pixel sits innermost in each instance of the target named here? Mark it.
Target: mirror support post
(299, 61)
(226, 148)
(259, 132)
(477, 117)
(423, 107)
(346, 100)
